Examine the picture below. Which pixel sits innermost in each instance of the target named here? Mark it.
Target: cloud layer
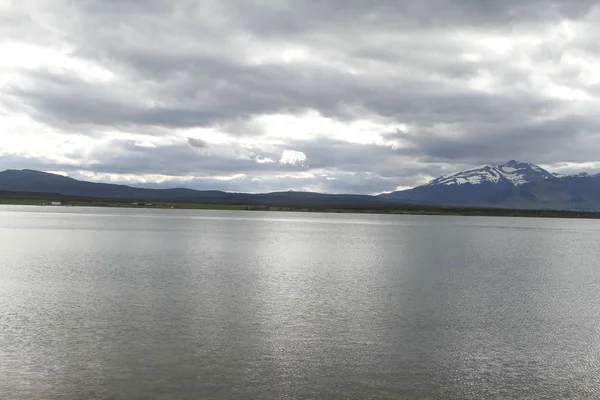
(336, 96)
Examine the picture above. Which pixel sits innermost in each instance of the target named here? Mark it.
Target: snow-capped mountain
(480, 185)
(511, 185)
(513, 172)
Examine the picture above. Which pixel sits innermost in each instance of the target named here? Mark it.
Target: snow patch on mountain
(513, 172)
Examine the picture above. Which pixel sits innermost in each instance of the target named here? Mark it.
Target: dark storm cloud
(199, 81)
(127, 157)
(568, 137)
(248, 91)
(190, 64)
(59, 98)
(293, 18)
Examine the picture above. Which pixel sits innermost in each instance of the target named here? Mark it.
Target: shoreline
(308, 208)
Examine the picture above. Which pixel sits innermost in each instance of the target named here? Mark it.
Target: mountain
(511, 185)
(42, 182)
(466, 186)
(513, 172)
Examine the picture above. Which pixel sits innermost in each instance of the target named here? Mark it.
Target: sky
(336, 96)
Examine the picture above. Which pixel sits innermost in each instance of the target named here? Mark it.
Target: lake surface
(173, 304)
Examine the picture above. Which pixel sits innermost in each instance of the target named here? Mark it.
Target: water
(169, 304)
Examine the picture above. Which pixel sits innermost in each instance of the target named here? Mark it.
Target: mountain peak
(513, 162)
(513, 173)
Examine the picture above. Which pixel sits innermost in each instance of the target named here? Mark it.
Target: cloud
(263, 160)
(292, 157)
(382, 93)
(197, 143)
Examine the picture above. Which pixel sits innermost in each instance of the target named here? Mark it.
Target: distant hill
(42, 182)
(36, 181)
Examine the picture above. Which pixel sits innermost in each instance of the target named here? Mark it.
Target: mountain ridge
(44, 182)
(510, 185)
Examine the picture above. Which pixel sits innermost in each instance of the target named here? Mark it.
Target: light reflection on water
(121, 304)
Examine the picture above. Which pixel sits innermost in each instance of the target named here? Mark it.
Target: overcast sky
(335, 96)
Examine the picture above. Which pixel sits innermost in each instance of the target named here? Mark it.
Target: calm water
(164, 304)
